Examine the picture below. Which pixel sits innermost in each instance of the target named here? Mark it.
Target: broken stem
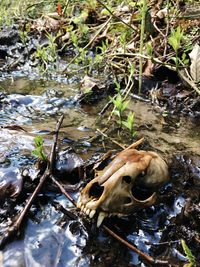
(55, 140)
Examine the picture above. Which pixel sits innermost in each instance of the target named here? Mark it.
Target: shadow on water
(53, 236)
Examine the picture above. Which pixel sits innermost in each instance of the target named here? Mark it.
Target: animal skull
(111, 193)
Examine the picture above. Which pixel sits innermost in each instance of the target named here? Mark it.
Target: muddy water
(51, 237)
(167, 133)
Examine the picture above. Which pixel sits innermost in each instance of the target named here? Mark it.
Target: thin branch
(156, 60)
(63, 190)
(114, 16)
(167, 30)
(55, 140)
(188, 80)
(115, 142)
(126, 243)
(144, 11)
(135, 144)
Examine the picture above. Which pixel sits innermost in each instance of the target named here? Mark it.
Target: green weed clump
(175, 38)
(120, 106)
(47, 54)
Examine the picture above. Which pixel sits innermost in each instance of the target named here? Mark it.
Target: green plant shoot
(129, 123)
(175, 41)
(39, 149)
(188, 252)
(120, 105)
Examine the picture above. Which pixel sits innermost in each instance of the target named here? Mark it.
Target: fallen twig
(188, 80)
(53, 150)
(115, 142)
(116, 17)
(13, 229)
(63, 190)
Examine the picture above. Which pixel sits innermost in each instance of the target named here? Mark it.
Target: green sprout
(175, 41)
(188, 253)
(119, 107)
(129, 123)
(47, 54)
(39, 148)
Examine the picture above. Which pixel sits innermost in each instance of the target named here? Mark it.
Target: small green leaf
(188, 252)
(124, 105)
(118, 87)
(116, 112)
(38, 140)
(175, 38)
(118, 102)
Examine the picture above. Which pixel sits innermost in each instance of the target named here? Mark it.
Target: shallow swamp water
(57, 234)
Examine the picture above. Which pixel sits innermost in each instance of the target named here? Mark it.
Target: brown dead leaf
(148, 68)
(195, 63)
(46, 23)
(162, 13)
(88, 84)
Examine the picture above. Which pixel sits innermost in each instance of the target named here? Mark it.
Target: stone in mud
(9, 36)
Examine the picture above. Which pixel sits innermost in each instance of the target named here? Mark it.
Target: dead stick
(17, 224)
(140, 253)
(136, 250)
(135, 144)
(63, 190)
(116, 17)
(55, 140)
(108, 230)
(115, 142)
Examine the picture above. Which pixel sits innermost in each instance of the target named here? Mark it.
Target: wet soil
(57, 234)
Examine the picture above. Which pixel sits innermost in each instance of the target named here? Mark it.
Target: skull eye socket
(126, 179)
(96, 190)
(141, 192)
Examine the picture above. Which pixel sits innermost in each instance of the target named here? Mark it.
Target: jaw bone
(91, 213)
(101, 217)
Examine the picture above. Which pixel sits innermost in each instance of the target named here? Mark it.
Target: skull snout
(96, 190)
